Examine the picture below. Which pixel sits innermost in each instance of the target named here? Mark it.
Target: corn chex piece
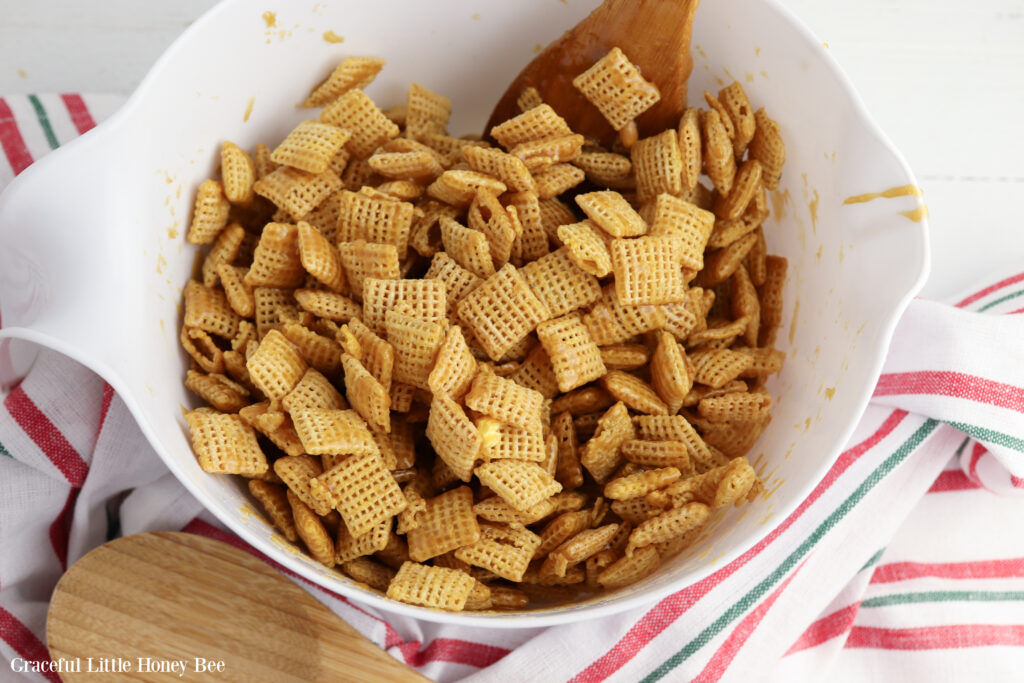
(427, 112)
(239, 295)
(207, 309)
(368, 125)
(453, 435)
(322, 353)
(416, 343)
(457, 280)
(677, 428)
(507, 168)
(418, 584)
(238, 173)
(602, 455)
(647, 270)
(310, 146)
(745, 187)
(501, 311)
(768, 148)
(586, 248)
(503, 550)
(736, 407)
(362, 489)
(364, 570)
(352, 72)
(535, 372)
(640, 484)
(295, 191)
(546, 152)
(276, 367)
(559, 283)
(458, 187)
(610, 211)
(487, 215)
(274, 500)
(362, 259)
(575, 358)
(771, 299)
(568, 471)
(329, 305)
(469, 248)
(612, 322)
(744, 303)
(521, 484)
(319, 257)
(223, 252)
(670, 376)
(614, 85)
(524, 210)
(425, 233)
(625, 356)
(763, 361)
(554, 213)
(348, 547)
(607, 169)
(627, 570)
(368, 397)
(414, 165)
(535, 124)
(659, 454)
(690, 223)
(421, 299)
(377, 355)
(224, 444)
(447, 523)
(667, 525)
(296, 471)
(454, 366)
(528, 99)
(689, 147)
(556, 179)
(277, 261)
(383, 221)
(732, 439)
(719, 160)
(562, 528)
(409, 518)
(718, 367)
(333, 432)
(450, 148)
(217, 390)
(583, 401)
(577, 549)
(261, 161)
(209, 214)
(311, 530)
(313, 391)
(495, 509)
(507, 401)
(658, 165)
(511, 442)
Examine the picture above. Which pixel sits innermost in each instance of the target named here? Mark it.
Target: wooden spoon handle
(151, 606)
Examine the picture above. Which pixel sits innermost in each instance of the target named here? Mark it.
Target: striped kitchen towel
(905, 563)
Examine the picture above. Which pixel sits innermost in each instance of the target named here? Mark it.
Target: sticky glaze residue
(270, 18)
(917, 215)
(248, 109)
(900, 191)
(332, 37)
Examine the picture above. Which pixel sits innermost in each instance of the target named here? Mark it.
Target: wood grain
(175, 597)
(654, 35)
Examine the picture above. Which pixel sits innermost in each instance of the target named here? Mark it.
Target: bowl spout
(61, 280)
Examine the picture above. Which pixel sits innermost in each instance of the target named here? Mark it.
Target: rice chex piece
(362, 259)
(422, 299)
(454, 366)
(614, 85)
(310, 146)
(453, 435)
(363, 491)
(507, 401)
(333, 432)
(501, 311)
(357, 113)
(612, 322)
(647, 270)
(692, 224)
(438, 587)
(559, 283)
(610, 211)
(295, 191)
(416, 343)
(447, 523)
(383, 221)
(535, 124)
(368, 397)
(575, 358)
(276, 366)
(602, 455)
(352, 72)
(521, 484)
(224, 444)
(207, 309)
(503, 550)
(457, 280)
(209, 214)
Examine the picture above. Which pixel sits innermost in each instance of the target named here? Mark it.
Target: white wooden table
(944, 79)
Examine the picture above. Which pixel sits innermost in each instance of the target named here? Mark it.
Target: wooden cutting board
(151, 606)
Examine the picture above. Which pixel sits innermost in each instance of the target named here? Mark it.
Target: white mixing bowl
(92, 258)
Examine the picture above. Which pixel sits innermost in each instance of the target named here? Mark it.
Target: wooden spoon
(177, 597)
(654, 34)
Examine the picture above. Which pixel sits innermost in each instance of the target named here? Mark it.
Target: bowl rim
(513, 619)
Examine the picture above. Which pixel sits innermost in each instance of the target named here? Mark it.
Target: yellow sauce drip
(248, 109)
(917, 215)
(270, 18)
(332, 37)
(901, 191)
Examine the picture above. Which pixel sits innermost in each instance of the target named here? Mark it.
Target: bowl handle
(62, 276)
